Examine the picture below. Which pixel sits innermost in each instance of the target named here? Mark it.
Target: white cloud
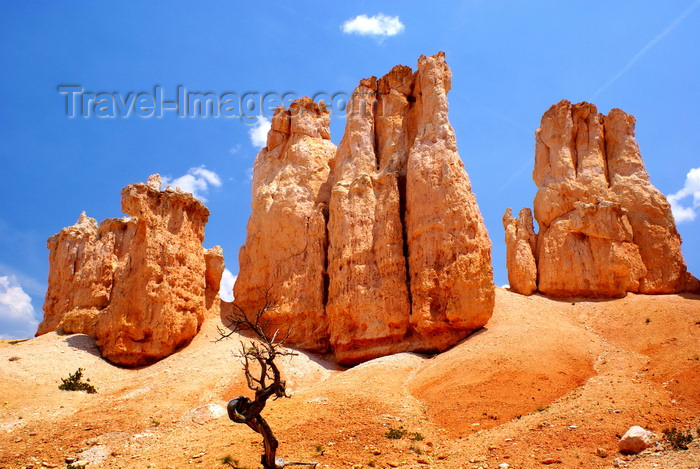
(227, 281)
(16, 311)
(380, 25)
(196, 181)
(29, 285)
(235, 149)
(691, 188)
(258, 132)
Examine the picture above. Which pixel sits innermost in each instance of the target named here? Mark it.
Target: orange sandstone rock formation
(286, 243)
(604, 228)
(449, 249)
(403, 262)
(368, 301)
(141, 285)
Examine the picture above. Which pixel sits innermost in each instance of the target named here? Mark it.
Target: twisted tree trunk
(268, 459)
(266, 383)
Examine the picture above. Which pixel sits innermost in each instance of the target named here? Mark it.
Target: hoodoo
(376, 248)
(141, 285)
(604, 229)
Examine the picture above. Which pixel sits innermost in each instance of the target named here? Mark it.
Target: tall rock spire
(408, 256)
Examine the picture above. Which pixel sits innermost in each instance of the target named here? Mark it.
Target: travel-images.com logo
(196, 104)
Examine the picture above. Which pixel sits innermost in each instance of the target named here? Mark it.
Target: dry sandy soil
(545, 382)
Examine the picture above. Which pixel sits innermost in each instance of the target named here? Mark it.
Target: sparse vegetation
(74, 382)
(266, 380)
(648, 320)
(319, 449)
(74, 466)
(398, 433)
(155, 422)
(395, 433)
(13, 359)
(677, 439)
(229, 461)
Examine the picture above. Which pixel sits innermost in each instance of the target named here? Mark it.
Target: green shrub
(229, 461)
(678, 439)
(395, 433)
(74, 383)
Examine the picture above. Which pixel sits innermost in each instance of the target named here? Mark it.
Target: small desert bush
(229, 461)
(395, 433)
(398, 433)
(74, 383)
(678, 439)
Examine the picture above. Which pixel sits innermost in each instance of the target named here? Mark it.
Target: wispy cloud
(378, 26)
(648, 46)
(691, 188)
(196, 181)
(16, 311)
(258, 132)
(235, 149)
(226, 289)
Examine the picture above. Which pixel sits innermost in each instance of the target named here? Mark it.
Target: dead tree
(266, 382)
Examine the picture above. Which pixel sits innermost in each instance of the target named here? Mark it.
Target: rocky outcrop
(521, 243)
(604, 229)
(141, 285)
(635, 440)
(403, 262)
(449, 249)
(80, 277)
(368, 303)
(285, 248)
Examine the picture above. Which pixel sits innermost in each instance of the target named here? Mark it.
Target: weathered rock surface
(285, 248)
(521, 243)
(604, 229)
(368, 304)
(635, 440)
(140, 285)
(80, 276)
(403, 262)
(449, 249)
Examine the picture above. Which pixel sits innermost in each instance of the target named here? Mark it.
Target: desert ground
(547, 383)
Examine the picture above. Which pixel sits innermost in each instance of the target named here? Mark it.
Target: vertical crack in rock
(605, 230)
(449, 249)
(286, 243)
(368, 305)
(371, 248)
(401, 219)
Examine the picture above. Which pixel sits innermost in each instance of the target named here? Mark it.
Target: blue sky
(510, 62)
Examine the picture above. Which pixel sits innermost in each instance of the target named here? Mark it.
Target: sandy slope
(545, 380)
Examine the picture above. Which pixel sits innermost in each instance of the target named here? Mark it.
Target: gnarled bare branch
(263, 351)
